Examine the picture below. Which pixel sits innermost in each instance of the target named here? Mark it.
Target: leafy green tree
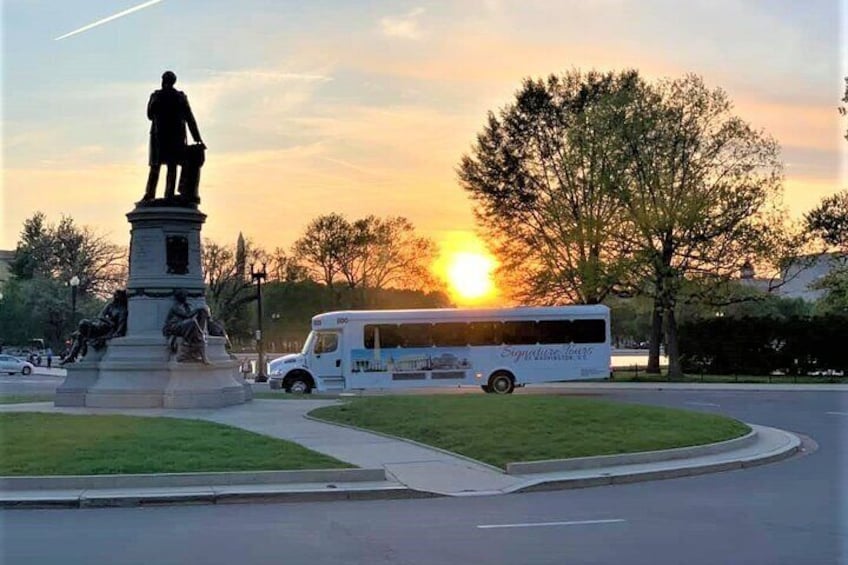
(387, 253)
(323, 246)
(828, 222)
(64, 250)
(593, 183)
(700, 195)
(40, 308)
(544, 174)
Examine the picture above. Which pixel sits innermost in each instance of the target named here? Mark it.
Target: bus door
(326, 358)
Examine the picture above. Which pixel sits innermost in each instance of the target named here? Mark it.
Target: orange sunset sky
(366, 107)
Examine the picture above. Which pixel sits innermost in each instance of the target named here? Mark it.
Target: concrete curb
(791, 447)
(166, 480)
(235, 495)
(405, 440)
(581, 463)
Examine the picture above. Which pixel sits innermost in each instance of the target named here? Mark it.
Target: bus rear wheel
(501, 383)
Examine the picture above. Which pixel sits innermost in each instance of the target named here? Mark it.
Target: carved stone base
(141, 372)
(81, 376)
(138, 370)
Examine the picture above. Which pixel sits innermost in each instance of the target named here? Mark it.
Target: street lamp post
(74, 283)
(258, 277)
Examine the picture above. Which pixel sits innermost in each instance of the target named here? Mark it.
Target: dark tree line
(371, 262)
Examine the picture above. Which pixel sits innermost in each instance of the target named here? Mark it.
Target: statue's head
(168, 79)
(180, 295)
(120, 296)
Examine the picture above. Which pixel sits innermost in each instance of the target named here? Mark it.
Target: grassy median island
(499, 430)
(60, 444)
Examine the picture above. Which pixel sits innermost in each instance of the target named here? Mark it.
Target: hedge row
(762, 346)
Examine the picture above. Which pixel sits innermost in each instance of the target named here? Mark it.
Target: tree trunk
(674, 369)
(656, 339)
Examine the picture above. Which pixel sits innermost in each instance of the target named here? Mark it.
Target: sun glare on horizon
(470, 276)
(467, 267)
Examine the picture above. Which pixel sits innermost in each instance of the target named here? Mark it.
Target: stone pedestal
(139, 370)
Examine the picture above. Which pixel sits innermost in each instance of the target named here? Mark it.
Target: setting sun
(466, 266)
(469, 275)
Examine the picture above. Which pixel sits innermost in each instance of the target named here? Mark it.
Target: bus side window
(450, 334)
(485, 333)
(381, 336)
(590, 331)
(389, 336)
(415, 335)
(520, 333)
(555, 331)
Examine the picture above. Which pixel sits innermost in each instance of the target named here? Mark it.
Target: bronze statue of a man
(187, 323)
(170, 113)
(112, 322)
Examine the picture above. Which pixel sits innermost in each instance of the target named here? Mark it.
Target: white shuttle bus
(495, 349)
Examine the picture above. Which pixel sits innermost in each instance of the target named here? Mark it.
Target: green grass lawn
(503, 429)
(60, 444)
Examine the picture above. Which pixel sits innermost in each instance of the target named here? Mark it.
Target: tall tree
(365, 255)
(283, 267)
(544, 174)
(387, 253)
(699, 194)
(64, 250)
(322, 247)
(829, 221)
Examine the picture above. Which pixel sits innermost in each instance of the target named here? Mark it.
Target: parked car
(12, 365)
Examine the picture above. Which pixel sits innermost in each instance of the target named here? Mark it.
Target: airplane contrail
(109, 19)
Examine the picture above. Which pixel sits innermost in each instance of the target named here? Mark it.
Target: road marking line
(837, 413)
(702, 404)
(542, 524)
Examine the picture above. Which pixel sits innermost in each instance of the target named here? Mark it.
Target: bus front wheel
(299, 385)
(501, 383)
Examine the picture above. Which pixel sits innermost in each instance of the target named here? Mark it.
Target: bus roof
(342, 317)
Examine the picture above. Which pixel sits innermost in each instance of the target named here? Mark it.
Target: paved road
(43, 381)
(793, 512)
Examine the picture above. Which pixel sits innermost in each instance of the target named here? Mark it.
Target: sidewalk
(410, 469)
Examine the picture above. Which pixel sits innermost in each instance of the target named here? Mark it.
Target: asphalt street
(792, 512)
(37, 383)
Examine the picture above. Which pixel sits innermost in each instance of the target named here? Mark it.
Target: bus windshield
(307, 345)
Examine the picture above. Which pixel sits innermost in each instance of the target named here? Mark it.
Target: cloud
(402, 26)
(253, 96)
